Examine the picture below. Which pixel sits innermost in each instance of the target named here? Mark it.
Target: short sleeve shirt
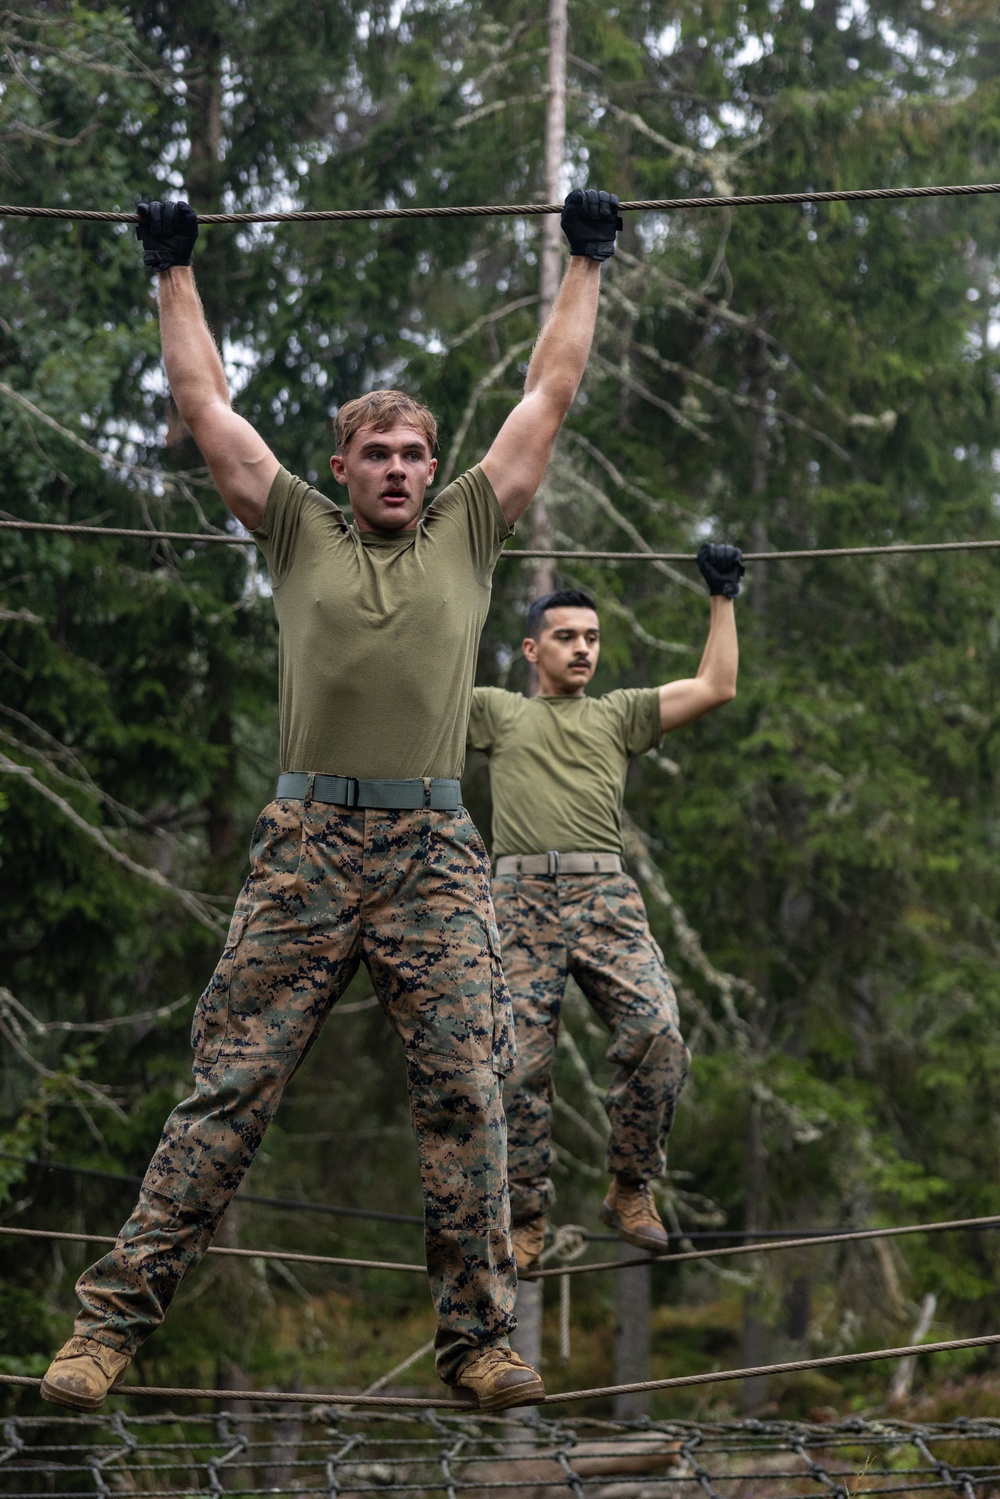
(378, 631)
(558, 764)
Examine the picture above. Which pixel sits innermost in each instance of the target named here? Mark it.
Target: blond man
(366, 854)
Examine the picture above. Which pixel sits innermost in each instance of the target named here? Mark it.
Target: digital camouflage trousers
(592, 927)
(407, 894)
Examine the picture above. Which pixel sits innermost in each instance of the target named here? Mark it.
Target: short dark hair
(563, 598)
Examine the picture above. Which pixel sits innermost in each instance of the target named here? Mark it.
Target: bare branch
(670, 366)
(478, 391)
(619, 480)
(595, 1136)
(107, 460)
(726, 985)
(610, 605)
(490, 317)
(641, 390)
(594, 1095)
(189, 901)
(88, 1027)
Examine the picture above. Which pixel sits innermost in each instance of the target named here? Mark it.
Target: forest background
(777, 378)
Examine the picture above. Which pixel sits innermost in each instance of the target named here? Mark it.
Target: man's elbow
(723, 693)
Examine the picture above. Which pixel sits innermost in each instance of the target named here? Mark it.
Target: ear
(337, 468)
(530, 648)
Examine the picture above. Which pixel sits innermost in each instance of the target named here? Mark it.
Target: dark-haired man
(565, 905)
(366, 855)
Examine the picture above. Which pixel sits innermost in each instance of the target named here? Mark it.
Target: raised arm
(516, 462)
(241, 463)
(684, 701)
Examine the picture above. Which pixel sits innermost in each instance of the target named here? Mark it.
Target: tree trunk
(206, 176)
(753, 1392)
(543, 571)
(527, 1337)
(633, 1340)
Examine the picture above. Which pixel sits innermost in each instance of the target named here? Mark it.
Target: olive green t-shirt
(378, 631)
(557, 765)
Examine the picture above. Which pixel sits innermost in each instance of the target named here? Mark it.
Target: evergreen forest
(818, 858)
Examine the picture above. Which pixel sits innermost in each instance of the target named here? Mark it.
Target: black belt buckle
(352, 791)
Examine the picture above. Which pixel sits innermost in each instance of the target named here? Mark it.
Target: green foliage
(782, 378)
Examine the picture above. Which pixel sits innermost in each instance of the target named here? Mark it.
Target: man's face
(566, 651)
(386, 474)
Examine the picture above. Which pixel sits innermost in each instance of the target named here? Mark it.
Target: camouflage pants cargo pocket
(593, 928)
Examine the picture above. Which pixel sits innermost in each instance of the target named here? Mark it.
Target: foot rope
(848, 1236)
(680, 1381)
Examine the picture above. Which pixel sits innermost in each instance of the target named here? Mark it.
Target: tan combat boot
(82, 1373)
(629, 1208)
(528, 1240)
(497, 1379)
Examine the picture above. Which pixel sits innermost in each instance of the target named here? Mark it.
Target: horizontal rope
(246, 1254)
(848, 1236)
(900, 548)
(519, 210)
(139, 532)
(799, 1235)
(286, 1204)
(680, 1381)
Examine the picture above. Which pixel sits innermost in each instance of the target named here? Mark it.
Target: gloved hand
(590, 221)
(721, 566)
(167, 232)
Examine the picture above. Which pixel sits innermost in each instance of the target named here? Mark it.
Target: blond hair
(382, 410)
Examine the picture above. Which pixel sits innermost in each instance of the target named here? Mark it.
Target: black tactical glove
(721, 566)
(167, 232)
(590, 221)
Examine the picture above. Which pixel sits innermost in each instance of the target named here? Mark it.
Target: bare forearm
(560, 355)
(194, 367)
(721, 656)
(242, 464)
(684, 701)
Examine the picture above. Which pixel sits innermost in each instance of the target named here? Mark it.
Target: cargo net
(338, 1454)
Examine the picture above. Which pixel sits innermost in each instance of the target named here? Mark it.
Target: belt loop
(553, 862)
(353, 791)
(310, 784)
(427, 791)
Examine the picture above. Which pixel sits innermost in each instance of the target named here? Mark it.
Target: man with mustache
(565, 905)
(366, 855)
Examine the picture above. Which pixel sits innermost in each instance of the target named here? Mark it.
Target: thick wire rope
(519, 210)
(283, 1204)
(375, 1215)
(897, 548)
(292, 1256)
(414, 1402)
(848, 1236)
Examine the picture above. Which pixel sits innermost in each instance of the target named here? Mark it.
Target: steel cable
(293, 1256)
(848, 1236)
(519, 210)
(283, 1204)
(896, 548)
(680, 1381)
